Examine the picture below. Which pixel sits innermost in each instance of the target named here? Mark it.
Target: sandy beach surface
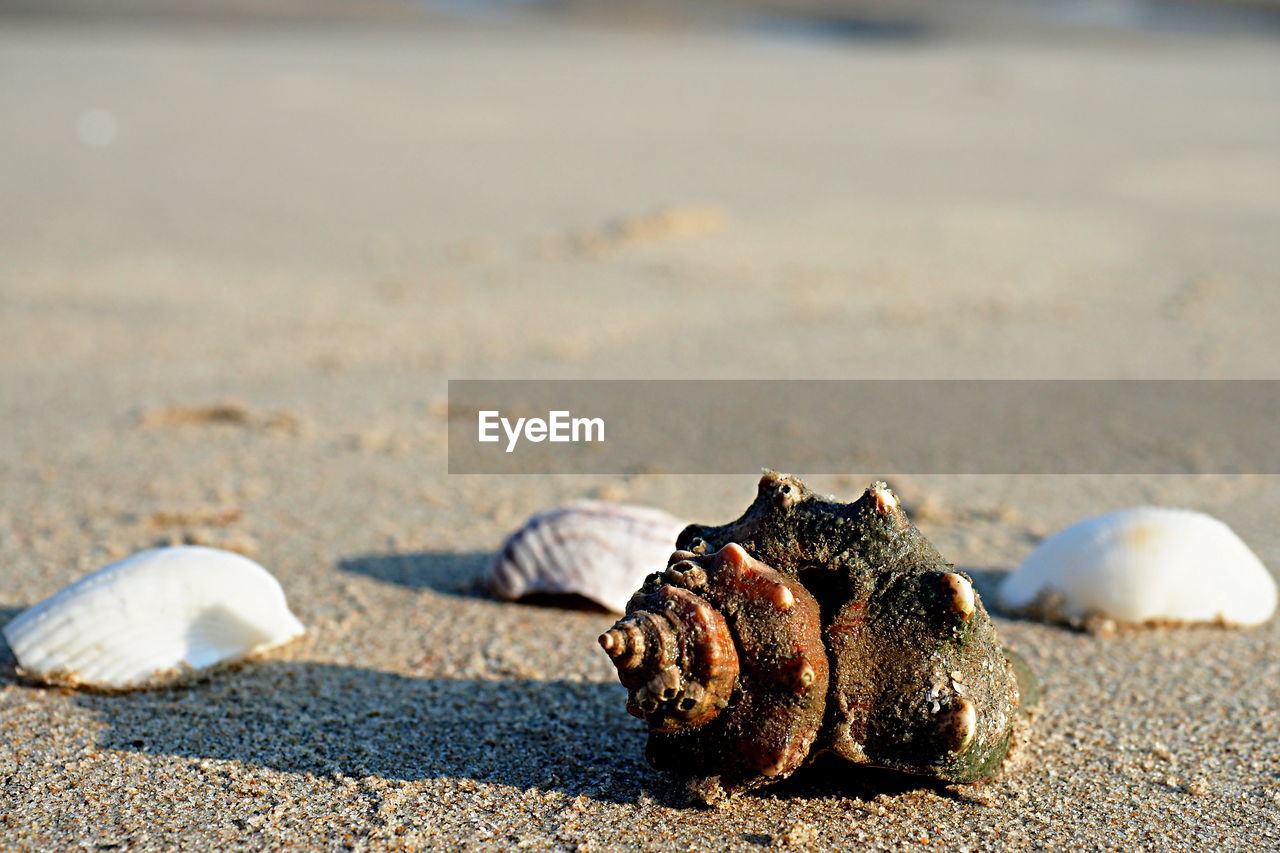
(238, 264)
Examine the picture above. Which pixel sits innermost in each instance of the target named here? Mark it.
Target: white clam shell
(596, 549)
(151, 618)
(1143, 565)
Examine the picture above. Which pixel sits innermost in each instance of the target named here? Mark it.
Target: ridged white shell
(596, 549)
(152, 617)
(1143, 565)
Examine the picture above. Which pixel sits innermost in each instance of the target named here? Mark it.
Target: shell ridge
(127, 624)
(598, 550)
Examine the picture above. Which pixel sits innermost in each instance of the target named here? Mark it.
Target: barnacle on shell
(809, 626)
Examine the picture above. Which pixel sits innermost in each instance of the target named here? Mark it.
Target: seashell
(709, 626)
(152, 618)
(1143, 565)
(811, 626)
(595, 549)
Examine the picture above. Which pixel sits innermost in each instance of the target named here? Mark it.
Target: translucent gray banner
(885, 426)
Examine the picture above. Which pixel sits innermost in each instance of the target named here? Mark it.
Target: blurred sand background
(243, 247)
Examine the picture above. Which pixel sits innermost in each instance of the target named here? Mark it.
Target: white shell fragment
(599, 550)
(1145, 565)
(152, 618)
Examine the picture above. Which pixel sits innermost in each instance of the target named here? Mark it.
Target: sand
(238, 264)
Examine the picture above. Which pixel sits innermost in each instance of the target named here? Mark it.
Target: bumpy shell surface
(723, 658)
(599, 550)
(916, 679)
(151, 618)
(1143, 565)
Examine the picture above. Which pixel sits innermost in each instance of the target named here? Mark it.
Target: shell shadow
(328, 720)
(836, 26)
(8, 663)
(829, 776)
(448, 572)
(331, 721)
(986, 580)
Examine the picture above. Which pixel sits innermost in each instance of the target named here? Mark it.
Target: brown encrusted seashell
(708, 625)
(598, 550)
(852, 636)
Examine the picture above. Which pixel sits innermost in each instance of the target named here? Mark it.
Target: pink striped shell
(599, 550)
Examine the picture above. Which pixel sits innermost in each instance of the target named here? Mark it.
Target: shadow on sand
(448, 572)
(329, 720)
(8, 665)
(986, 580)
(829, 776)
